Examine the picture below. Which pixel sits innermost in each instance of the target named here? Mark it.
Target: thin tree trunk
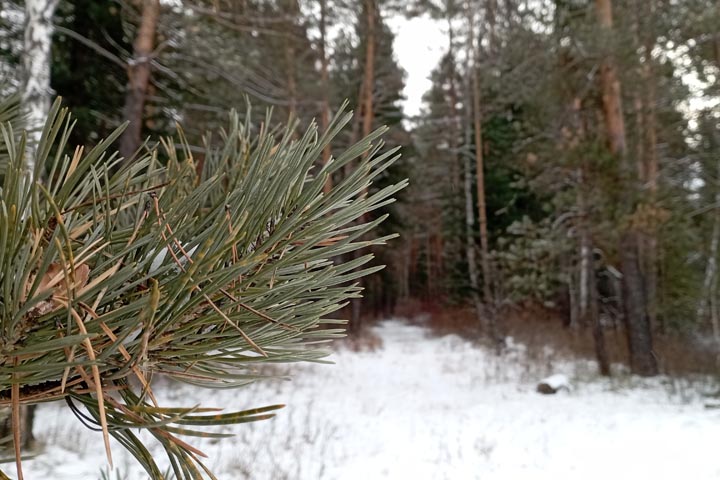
(642, 359)
(139, 78)
(368, 115)
(455, 121)
(480, 186)
(597, 328)
(647, 150)
(586, 265)
(369, 73)
(572, 294)
(709, 297)
(491, 13)
(470, 236)
(586, 273)
(292, 12)
(711, 267)
(325, 82)
(470, 244)
(711, 270)
(590, 315)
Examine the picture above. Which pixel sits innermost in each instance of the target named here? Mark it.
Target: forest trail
(431, 408)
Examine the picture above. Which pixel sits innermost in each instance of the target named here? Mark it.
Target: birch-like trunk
(709, 293)
(470, 245)
(36, 99)
(36, 59)
(470, 238)
(585, 265)
(590, 315)
(480, 183)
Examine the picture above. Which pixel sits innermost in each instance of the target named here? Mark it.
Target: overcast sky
(419, 44)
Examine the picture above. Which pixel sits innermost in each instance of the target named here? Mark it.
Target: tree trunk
(292, 13)
(593, 319)
(369, 74)
(585, 273)
(647, 149)
(368, 115)
(36, 59)
(470, 244)
(610, 84)
(139, 78)
(642, 359)
(590, 314)
(36, 94)
(709, 298)
(470, 237)
(480, 186)
(711, 267)
(325, 82)
(491, 15)
(709, 294)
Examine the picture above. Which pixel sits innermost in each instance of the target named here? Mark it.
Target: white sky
(419, 45)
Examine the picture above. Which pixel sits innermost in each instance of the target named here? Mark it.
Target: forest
(553, 196)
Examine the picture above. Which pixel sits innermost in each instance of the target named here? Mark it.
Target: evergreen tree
(114, 271)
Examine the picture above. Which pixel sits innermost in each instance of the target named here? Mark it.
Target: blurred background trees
(566, 157)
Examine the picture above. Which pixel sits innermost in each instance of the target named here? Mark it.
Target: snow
(159, 259)
(430, 408)
(557, 382)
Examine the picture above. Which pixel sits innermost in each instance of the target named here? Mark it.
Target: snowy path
(429, 408)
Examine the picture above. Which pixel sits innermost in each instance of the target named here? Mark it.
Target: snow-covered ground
(430, 408)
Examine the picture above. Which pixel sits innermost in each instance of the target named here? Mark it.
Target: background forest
(597, 194)
(564, 164)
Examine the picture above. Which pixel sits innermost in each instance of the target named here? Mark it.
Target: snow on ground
(429, 408)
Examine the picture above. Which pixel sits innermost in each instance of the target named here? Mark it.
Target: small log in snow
(553, 384)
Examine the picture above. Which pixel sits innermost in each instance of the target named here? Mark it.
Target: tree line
(566, 154)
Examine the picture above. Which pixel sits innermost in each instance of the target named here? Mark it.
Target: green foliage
(88, 51)
(528, 260)
(111, 271)
(9, 112)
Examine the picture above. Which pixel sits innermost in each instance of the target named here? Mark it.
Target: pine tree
(114, 271)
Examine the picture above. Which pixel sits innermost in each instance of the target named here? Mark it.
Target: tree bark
(369, 74)
(36, 95)
(589, 315)
(470, 234)
(470, 244)
(598, 332)
(368, 115)
(325, 82)
(710, 280)
(480, 185)
(139, 78)
(647, 150)
(708, 302)
(36, 59)
(292, 12)
(642, 359)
